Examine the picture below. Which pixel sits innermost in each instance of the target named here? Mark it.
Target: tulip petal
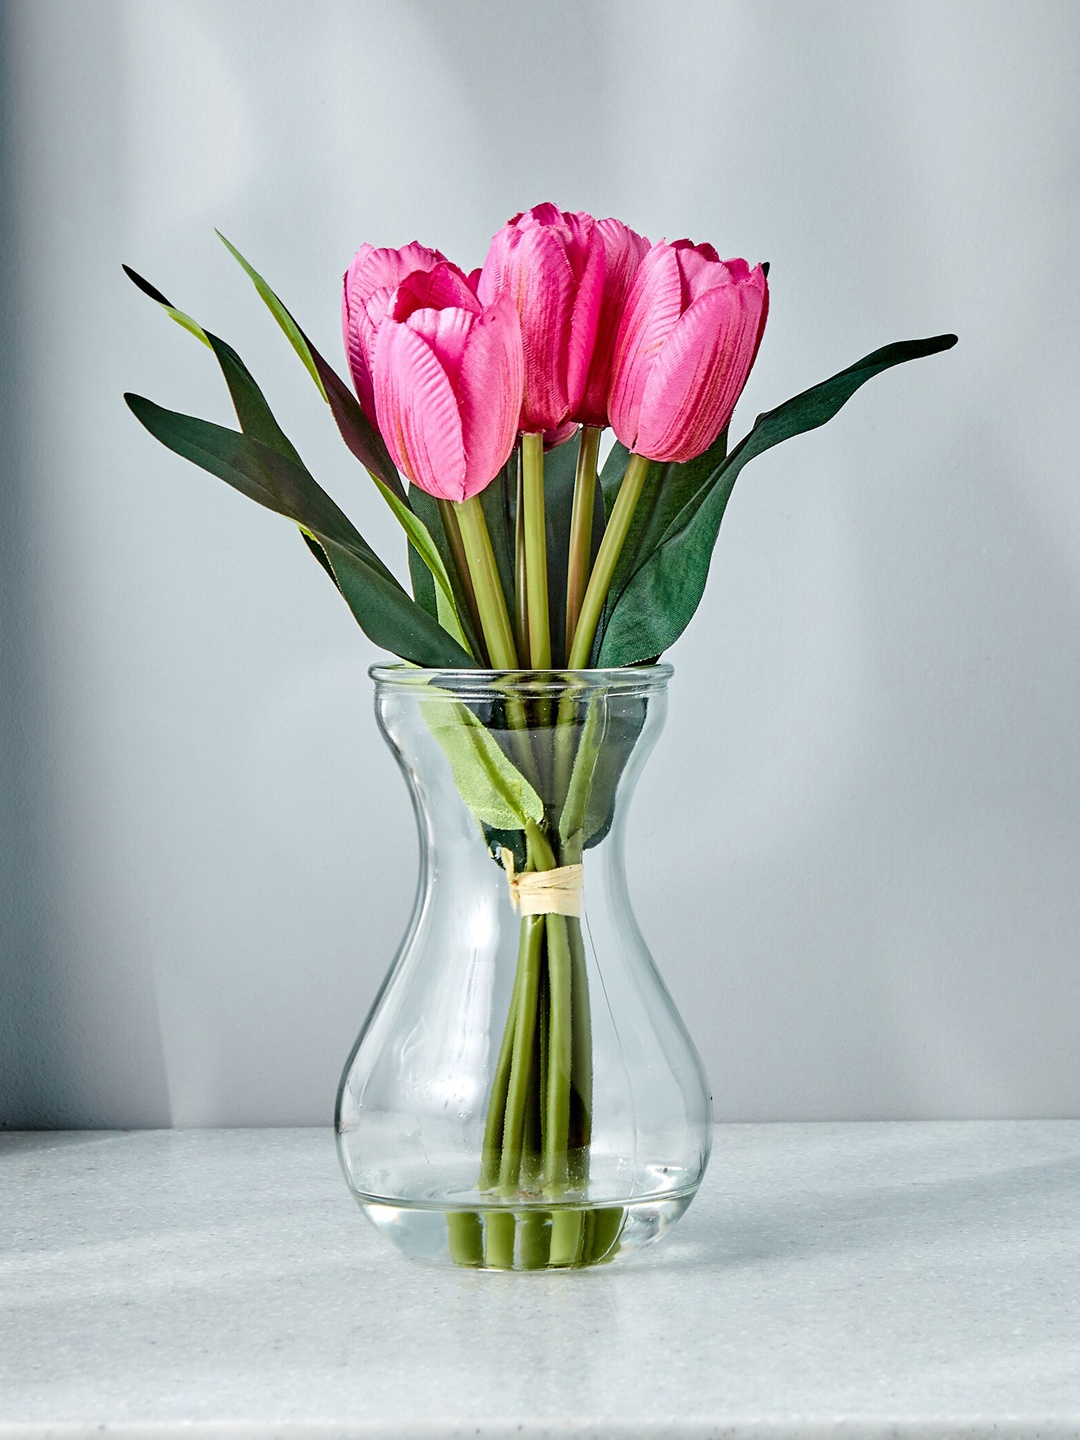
(585, 319)
(442, 286)
(623, 253)
(700, 373)
(370, 281)
(417, 412)
(489, 387)
(446, 332)
(652, 310)
(530, 265)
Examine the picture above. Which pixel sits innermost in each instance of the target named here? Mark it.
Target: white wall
(856, 849)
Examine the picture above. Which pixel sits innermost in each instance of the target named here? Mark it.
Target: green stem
(581, 527)
(556, 1173)
(490, 600)
(461, 564)
(524, 1037)
(532, 495)
(618, 527)
(581, 1075)
(560, 1032)
(491, 1161)
(521, 596)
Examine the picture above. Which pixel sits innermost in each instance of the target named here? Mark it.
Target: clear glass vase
(524, 1095)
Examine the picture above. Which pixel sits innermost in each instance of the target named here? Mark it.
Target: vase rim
(627, 679)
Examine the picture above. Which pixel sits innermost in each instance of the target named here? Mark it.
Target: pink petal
(489, 388)
(417, 412)
(435, 289)
(700, 373)
(700, 271)
(530, 266)
(585, 318)
(446, 333)
(356, 352)
(370, 280)
(652, 310)
(623, 253)
(545, 214)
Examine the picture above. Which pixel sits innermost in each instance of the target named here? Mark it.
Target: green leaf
(192, 326)
(495, 791)
(575, 809)
(422, 544)
(319, 554)
(499, 503)
(271, 478)
(665, 589)
(280, 314)
(423, 583)
(254, 414)
(560, 469)
(362, 438)
(426, 508)
(258, 421)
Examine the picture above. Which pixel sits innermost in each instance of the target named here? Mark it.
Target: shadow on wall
(41, 1084)
(33, 1083)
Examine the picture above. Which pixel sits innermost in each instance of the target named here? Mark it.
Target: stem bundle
(538, 1125)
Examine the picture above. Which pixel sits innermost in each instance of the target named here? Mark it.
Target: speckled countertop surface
(849, 1280)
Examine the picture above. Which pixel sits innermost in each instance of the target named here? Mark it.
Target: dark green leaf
(667, 489)
(263, 473)
(426, 508)
(560, 469)
(356, 429)
(499, 503)
(319, 553)
(423, 583)
(663, 593)
(170, 309)
(254, 414)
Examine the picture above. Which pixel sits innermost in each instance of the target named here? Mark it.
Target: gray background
(856, 849)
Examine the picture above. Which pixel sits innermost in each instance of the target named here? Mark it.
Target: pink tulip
(369, 285)
(623, 253)
(448, 378)
(689, 335)
(551, 264)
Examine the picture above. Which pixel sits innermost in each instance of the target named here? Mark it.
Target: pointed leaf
(422, 544)
(660, 599)
(495, 791)
(362, 438)
(319, 553)
(280, 314)
(560, 470)
(382, 608)
(170, 309)
(423, 583)
(427, 509)
(499, 503)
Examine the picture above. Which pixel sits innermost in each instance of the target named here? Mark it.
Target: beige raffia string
(544, 892)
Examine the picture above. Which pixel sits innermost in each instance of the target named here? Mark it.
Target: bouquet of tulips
(478, 407)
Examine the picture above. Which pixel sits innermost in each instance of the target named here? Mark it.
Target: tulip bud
(688, 337)
(369, 285)
(551, 264)
(623, 253)
(448, 383)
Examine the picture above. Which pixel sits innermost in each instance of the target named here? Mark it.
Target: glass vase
(524, 1094)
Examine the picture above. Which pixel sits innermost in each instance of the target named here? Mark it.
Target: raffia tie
(544, 892)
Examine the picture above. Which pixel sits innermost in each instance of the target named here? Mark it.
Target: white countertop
(830, 1280)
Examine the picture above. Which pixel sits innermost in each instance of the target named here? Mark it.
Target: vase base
(532, 1237)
